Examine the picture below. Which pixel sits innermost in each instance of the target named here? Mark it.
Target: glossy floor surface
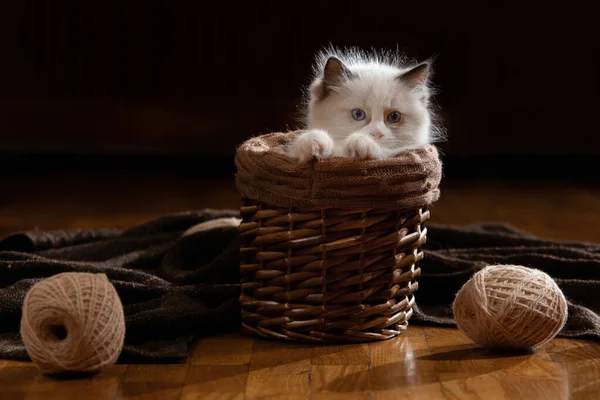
(431, 363)
(424, 363)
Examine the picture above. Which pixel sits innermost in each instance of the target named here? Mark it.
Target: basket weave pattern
(331, 248)
(327, 274)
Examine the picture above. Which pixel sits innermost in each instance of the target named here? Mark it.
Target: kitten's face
(382, 101)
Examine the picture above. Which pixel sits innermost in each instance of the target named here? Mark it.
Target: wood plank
(410, 344)
(550, 209)
(23, 380)
(348, 354)
(467, 371)
(410, 393)
(288, 397)
(580, 361)
(89, 207)
(401, 369)
(279, 370)
(171, 373)
(215, 382)
(341, 396)
(232, 349)
(11, 363)
(280, 358)
(154, 381)
(212, 396)
(262, 386)
(341, 379)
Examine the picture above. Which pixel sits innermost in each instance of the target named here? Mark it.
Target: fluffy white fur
(377, 84)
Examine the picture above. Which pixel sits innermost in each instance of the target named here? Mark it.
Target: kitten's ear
(416, 76)
(335, 72)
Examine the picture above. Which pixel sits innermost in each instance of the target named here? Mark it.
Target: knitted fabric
(266, 174)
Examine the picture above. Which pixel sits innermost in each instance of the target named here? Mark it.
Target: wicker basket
(317, 273)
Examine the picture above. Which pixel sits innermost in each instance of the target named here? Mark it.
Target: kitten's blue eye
(394, 117)
(358, 114)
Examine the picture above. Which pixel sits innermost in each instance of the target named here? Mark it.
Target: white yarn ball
(73, 322)
(510, 306)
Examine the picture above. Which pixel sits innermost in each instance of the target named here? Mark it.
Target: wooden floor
(560, 210)
(428, 363)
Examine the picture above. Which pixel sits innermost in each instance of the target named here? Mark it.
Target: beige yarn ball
(510, 307)
(73, 322)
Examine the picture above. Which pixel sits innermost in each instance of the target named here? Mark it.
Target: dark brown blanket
(177, 288)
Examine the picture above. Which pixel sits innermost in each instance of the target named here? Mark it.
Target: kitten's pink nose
(377, 134)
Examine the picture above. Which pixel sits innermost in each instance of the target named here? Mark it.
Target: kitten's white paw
(362, 147)
(310, 145)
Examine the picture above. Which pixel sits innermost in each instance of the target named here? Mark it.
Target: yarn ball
(510, 307)
(73, 322)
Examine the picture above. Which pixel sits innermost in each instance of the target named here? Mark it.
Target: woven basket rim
(265, 173)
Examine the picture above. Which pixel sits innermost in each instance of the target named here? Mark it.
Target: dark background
(187, 80)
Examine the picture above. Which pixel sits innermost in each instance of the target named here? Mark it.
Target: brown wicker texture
(331, 248)
(329, 275)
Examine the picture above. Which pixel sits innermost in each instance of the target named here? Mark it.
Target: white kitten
(365, 106)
